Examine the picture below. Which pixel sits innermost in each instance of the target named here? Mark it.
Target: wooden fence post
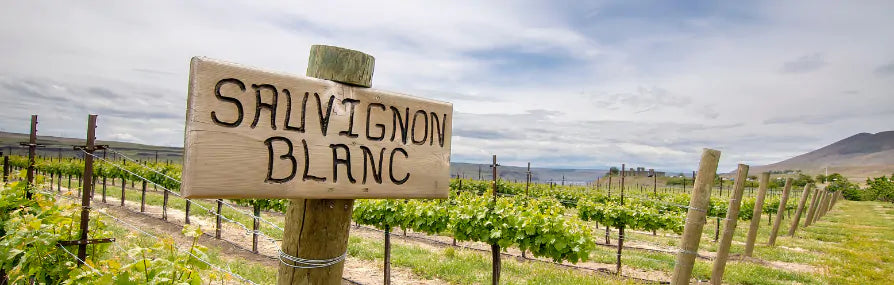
(621, 227)
(164, 205)
(812, 209)
(5, 168)
(756, 214)
(217, 221)
(318, 228)
(32, 147)
(123, 184)
(387, 274)
(797, 219)
(819, 207)
(496, 264)
(695, 217)
(88, 188)
(256, 210)
(732, 217)
(825, 206)
(103, 189)
(186, 216)
(143, 198)
(780, 211)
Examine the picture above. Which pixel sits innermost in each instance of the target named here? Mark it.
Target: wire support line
(82, 261)
(218, 268)
(253, 216)
(131, 226)
(134, 174)
(248, 231)
(309, 263)
(144, 166)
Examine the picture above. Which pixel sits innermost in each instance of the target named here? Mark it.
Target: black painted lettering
(307, 176)
(350, 131)
(391, 167)
(369, 159)
(324, 120)
(440, 129)
(288, 155)
(288, 127)
(403, 124)
(261, 105)
(336, 161)
(413, 130)
(239, 112)
(381, 127)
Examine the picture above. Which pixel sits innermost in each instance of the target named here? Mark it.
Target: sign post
(321, 141)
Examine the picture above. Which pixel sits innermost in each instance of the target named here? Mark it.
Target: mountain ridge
(858, 156)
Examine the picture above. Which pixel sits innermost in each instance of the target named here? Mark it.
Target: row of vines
(548, 221)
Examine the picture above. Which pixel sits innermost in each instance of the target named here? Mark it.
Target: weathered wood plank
(260, 134)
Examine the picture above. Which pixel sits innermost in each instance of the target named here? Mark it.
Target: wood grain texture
(315, 229)
(226, 157)
(756, 215)
(801, 204)
(695, 217)
(780, 212)
(341, 65)
(732, 217)
(814, 202)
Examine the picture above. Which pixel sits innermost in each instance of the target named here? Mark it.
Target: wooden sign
(260, 134)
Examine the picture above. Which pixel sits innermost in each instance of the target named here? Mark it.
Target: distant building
(642, 171)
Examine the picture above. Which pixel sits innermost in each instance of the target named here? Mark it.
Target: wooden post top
(341, 65)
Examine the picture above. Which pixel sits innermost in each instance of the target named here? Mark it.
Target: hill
(857, 157)
(62, 147)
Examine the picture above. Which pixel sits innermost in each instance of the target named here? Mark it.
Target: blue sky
(584, 84)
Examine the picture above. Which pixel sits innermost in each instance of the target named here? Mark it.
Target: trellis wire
(82, 261)
(245, 228)
(178, 181)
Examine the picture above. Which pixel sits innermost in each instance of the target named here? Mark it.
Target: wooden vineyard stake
(527, 180)
(819, 206)
(797, 219)
(780, 212)
(812, 210)
(186, 215)
(732, 217)
(217, 219)
(104, 180)
(90, 148)
(143, 198)
(825, 207)
(387, 258)
(695, 217)
(32, 148)
(318, 228)
(495, 248)
(256, 226)
(123, 184)
(654, 189)
(5, 168)
(164, 205)
(621, 227)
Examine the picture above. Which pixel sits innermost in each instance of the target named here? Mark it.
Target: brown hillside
(857, 157)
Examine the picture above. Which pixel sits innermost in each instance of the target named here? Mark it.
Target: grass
(852, 244)
(467, 267)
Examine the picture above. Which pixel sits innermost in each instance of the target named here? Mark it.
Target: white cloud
(648, 85)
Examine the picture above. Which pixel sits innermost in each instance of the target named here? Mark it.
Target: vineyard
(618, 233)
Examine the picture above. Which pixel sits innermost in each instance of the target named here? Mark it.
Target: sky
(564, 84)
